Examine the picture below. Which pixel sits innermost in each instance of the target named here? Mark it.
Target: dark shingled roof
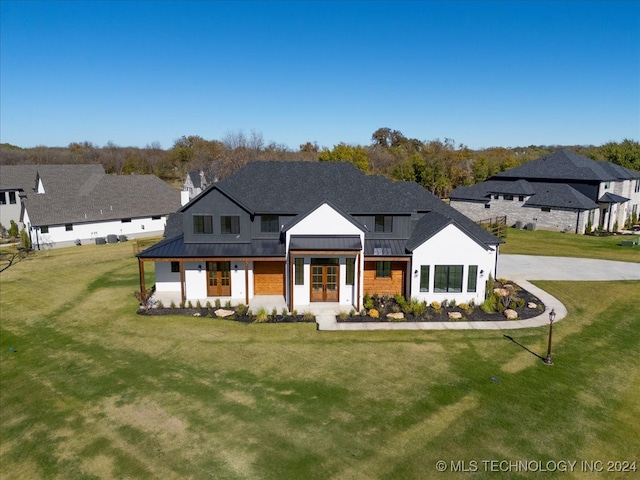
(569, 166)
(481, 192)
(612, 198)
(296, 188)
(559, 195)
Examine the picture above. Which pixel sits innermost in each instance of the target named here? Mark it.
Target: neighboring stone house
(311, 232)
(562, 191)
(196, 181)
(62, 205)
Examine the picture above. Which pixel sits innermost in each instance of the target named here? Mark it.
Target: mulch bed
(384, 305)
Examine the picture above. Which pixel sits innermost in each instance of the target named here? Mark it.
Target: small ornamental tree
(25, 240)
(13, 230)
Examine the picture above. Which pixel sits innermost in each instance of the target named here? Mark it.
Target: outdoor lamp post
(552, 317)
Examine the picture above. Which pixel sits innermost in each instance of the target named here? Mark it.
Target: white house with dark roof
(562, 191)
(318, 232)
(62, 205)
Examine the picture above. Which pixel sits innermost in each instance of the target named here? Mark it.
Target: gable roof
(569, 166)
(84, 193)
(433, 222)
(482, 192)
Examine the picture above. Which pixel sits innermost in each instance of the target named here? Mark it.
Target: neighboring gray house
(305, 232)
(196, 181)
(562, 191)
(63, 205)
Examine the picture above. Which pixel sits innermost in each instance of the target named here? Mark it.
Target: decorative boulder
(532, 305)
(395, 316)
(223, 313)
(510, 314)
(503, 292)
(455, 315)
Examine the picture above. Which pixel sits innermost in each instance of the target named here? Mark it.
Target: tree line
(438, 165)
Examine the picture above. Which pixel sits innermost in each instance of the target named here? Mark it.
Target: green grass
(559, 244)
(92, 390)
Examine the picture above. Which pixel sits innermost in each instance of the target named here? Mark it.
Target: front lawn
(89, 389)
(557, 244)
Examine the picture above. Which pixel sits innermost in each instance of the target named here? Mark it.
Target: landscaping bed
(507, 295)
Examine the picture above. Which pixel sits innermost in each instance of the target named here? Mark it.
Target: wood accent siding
(268, 278)
(384, 286)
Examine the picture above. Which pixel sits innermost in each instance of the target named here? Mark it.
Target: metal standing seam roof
(176, 248)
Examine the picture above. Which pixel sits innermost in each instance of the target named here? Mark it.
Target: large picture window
(384, 224)
(447, 278)
(230, 224)
(472, 279)
(383, 269)
(202, 224)
(269, 224)
(424, 278)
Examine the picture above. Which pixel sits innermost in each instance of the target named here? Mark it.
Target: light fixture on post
(552, 317)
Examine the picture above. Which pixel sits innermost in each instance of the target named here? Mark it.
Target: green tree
(25, 240)
(626, 153)
(13, 230)
(342, 152)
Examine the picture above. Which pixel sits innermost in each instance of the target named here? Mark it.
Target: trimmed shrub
(198, 305)
(172, 304)
(208, 305)
(241, 309)
(217, 303)
(189, 304)
(373, 313)
(436, 305)
(308, 316)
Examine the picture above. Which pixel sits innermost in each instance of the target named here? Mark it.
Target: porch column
(246, 281)
(290, 281)
(141, 272)
(358, 281)
(183, 295)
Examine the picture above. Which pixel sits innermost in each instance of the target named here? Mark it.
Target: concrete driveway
(529, 267)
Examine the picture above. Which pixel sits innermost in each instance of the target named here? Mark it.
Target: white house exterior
(63, 205)
(316, 232)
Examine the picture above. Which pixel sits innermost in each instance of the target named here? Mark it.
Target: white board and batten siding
(325, 220)
(451, 246)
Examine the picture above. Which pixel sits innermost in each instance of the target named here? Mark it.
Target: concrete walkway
(519, 269)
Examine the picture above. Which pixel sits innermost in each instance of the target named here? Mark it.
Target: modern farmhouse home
(562, 191)
(63, 205)
(310, 232)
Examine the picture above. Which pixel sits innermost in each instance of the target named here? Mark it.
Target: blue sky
(501, 73)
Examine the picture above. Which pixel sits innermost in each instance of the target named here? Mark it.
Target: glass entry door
(218, 279)
(324, 283)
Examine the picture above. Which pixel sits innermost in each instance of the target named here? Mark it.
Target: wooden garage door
(268, 278)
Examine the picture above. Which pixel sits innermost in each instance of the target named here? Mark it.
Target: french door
(324, 283)
(218, 279)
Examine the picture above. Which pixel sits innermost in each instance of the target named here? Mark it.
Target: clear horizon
(483, 73)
